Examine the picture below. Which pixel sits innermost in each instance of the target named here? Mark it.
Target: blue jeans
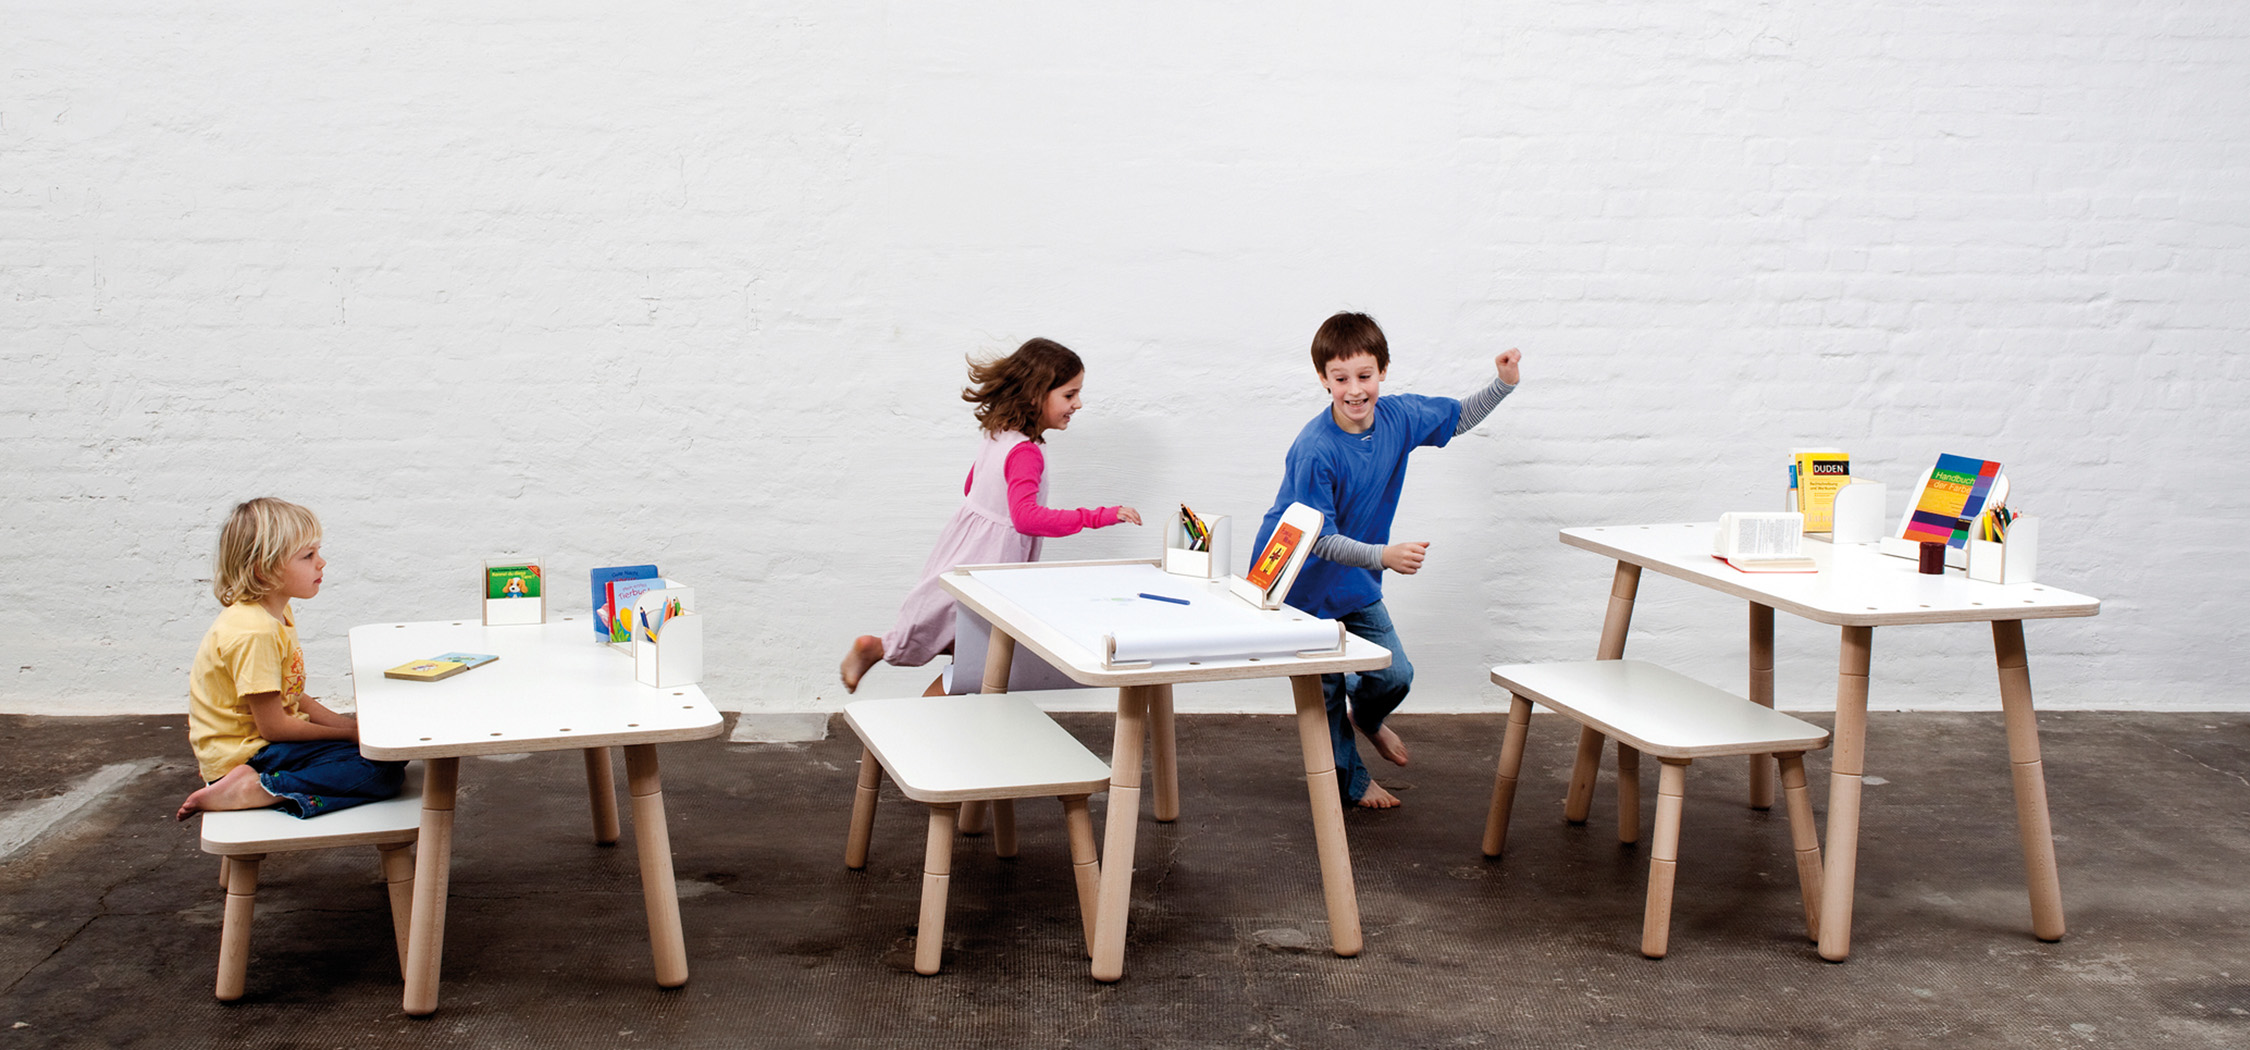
(312, 777)
(1369, 696)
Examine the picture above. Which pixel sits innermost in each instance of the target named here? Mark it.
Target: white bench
(1649, 709)
(242, 837)
(946, 750)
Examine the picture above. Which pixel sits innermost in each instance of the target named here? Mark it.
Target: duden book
(1763, 541)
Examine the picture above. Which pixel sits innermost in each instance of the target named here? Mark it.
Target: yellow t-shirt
(245, 652)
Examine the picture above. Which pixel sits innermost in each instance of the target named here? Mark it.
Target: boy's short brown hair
(1349, 335)
(259, 536)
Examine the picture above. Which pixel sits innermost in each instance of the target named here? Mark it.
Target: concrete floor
(109, 920)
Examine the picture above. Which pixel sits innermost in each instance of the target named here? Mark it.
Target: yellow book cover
(1819, 475)
(426, 670)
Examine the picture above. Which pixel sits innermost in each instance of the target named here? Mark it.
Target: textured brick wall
(694, 286)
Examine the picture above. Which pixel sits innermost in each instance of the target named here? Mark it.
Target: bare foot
(239, 789)
(866, 652)
(1377, 798)
(1388, 745)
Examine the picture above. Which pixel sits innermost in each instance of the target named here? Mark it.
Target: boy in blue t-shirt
(1349, 464)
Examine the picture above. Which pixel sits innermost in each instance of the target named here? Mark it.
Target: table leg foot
(653, 838)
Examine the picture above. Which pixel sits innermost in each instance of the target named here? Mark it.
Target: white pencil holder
(2013, 560)
(1212, 564)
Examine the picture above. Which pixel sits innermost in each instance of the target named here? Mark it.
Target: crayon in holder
(2012, 559)
(515, 592)
(667, 638)
(1182, 558)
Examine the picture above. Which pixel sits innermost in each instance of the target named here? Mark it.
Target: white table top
(554, 687)
(1856, 586)
(1064, 623)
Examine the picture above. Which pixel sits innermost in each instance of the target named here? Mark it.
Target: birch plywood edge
(1854, 587)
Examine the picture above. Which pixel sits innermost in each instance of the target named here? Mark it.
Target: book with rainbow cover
(1951, 500)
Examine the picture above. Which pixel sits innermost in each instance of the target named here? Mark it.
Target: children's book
(1816, 475)
(1763, 542)
(1950, 501)
(467, 660)
(1267, 568)
(426, 670)
(622, 595)
(603, 577)
(511, 581)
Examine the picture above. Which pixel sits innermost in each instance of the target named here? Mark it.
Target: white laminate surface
(1657, 710)
(959, 748)
(1855, 586)
(270, 830)
(554, 687)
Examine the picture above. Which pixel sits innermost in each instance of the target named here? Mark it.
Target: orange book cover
(1277, 552)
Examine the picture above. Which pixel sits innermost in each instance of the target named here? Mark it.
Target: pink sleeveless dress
(981, 533)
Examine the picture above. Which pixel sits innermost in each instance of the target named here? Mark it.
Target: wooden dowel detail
(2034, 827)
(398, 881)
(1804, 837)
(1628, 794)
(1164, 753)
(1496, 817)
(864, 795)
(234, 929)
(1121, 825)
(1761, 693)
(601, 793)
(653, 838)
(1327, 802)
(937, 871)
(1664, 856)
(433, 871)
(1085, 864)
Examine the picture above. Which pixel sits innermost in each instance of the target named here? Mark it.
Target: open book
(1755, 541)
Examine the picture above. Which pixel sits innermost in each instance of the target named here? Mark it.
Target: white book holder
(512, 611)
(1307, 521)
(1215, 563)
(673, 655)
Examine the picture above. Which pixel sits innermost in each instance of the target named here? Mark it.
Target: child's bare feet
(239, 789)
(1388, 745)
(1377, 798)
(866, 652)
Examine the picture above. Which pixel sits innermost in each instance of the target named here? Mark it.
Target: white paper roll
(1209, 641)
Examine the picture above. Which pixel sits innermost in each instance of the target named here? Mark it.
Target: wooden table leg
(1120, 826)
(1327, 814)
(1628, 793)
(1847, 762)
(1164, 753)
(653, 838)
(433, 869)
(1761, 693)
(2032, 824)
(601, 791)
(1615, 622)
(999, 659)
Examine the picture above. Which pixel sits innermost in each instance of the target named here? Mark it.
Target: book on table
(1761, 541)
(426, 670)
(1816, 475)
(602, 578)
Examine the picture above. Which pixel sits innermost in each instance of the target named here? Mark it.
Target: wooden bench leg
(398, 878)
(601, 794)
(1628, 794)
(1164, 754)
(1761, 693)
(225, 864)
(999, 659)
(1085, 866)
(1504, 778)
(937, 873)
(971, 821)
(234, 931)
(1663, 861)
(1804, 835)
(1003, 827)
(863, 810)
(1615, 623)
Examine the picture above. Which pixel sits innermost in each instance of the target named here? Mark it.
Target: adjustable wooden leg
(1327, 814)
(1085, 867)
(1120, 828)
(433, 871)
(1846, 764)
(1615, 623)
(1164, 754)
(1663, 859)
(999, 659)
(1804, 835)
(1761, 693)
(398, 878)
(1628, 794)
(653, 838)
(937, 872)
(601, 792)
(863, 810)
(1003, 827)
(234, 930)
(1504, 778)
(2029, 773)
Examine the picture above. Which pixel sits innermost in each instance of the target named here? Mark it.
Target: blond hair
(259, 536)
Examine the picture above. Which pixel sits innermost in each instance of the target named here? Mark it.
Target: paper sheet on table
(1090, 602)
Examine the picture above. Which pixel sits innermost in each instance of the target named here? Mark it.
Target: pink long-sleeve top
(1026, 465)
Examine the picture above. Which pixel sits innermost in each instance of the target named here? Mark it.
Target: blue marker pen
(1161, 598)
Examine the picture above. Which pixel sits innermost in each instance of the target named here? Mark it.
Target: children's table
(1090, 620)
(553, 688)
(1858, 589)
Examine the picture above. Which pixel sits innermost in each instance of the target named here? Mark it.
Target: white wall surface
(692, 283)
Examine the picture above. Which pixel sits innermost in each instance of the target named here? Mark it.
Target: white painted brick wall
(693, 285)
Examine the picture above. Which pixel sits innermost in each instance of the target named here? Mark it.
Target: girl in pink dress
(1002, 519)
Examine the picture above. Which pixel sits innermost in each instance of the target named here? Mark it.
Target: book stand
(1180, 559)
(510, 611)
(1308, 521)
(673, 654)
